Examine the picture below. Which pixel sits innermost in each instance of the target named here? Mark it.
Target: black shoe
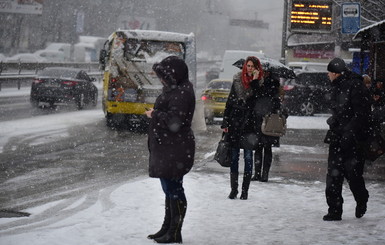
(174, 234)
(360, 210)
(233, 194)
(166, 223)
(265, 177)
(244, 195)
(332, 217)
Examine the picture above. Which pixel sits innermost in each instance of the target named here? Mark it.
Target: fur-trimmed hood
(242, 92)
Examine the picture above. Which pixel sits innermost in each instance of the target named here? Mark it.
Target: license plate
(221, 99)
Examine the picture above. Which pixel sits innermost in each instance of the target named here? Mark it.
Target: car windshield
(152, 51)
(219, 85)
(59, 73)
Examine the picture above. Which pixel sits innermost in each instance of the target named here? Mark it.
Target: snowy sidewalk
(278, 212)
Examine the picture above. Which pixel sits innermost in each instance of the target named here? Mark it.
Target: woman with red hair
(239, 122)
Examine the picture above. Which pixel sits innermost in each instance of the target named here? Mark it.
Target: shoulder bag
(274, 124)
(223, 153)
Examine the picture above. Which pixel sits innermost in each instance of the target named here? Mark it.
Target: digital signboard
(311, 16)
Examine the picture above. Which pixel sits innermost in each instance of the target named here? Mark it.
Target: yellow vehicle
(214, 98)
(129, 84)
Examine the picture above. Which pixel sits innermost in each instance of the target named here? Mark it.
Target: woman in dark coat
(171, 143)
(239, 122)
(268, 101)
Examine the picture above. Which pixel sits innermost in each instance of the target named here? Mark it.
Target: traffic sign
(351, 15)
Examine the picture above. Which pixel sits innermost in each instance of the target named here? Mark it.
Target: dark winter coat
(267, 101)
(350, 106)
(171, 140)
(239, 116)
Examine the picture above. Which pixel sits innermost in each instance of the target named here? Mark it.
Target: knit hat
(337, 65)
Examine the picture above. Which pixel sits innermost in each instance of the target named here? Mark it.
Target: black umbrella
(276, 68)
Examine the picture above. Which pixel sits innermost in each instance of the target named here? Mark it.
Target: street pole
(284, 34)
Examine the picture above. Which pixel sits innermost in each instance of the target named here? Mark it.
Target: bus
(129, 84)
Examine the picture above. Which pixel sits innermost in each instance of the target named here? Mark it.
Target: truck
(129, 83)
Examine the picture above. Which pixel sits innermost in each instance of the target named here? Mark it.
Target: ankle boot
(166, 222)
(265, 176)
(234, 185)
(257, 175)
(245, 186)
(174, 234)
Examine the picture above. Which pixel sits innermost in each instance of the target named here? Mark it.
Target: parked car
(214, 98)
(51, 55)
(63, 85)
(26, 58)
(307, 94)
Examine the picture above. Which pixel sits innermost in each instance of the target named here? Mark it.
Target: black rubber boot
(245, 186)
(360, 210)
(334, 213)
(266, 167)
(234, 185)
(166, 222)
(174, 234)
(332, 217)
(265, 176)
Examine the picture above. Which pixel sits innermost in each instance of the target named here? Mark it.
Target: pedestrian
(268, 101)
(367, 81)
(171, 143)
(239, 122)
(378, 106)
(349, 124)
(379, 93)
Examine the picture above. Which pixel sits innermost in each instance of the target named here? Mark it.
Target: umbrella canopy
(275, 67)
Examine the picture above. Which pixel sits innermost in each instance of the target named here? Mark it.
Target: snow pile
(277, 212)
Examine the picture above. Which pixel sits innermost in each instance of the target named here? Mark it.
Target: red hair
(246, 79)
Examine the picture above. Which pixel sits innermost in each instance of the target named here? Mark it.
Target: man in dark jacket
(171, 143)
(349, 124)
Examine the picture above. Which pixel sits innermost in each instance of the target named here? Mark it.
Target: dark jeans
(173, 188)
(344, 164)
(247, 155)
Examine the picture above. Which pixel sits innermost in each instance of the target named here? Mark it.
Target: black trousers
(344, 162)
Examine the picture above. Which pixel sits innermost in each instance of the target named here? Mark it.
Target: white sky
(280, 211)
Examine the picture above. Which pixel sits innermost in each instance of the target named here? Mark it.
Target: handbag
(223, 153)
(274, 124)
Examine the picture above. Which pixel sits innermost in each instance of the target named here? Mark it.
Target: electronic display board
(311, 16)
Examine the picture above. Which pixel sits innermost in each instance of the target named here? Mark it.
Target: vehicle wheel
(80, 102)
(94, 99)
(307, 108)
(110, 121)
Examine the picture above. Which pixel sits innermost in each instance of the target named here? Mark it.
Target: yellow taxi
(214, 98)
